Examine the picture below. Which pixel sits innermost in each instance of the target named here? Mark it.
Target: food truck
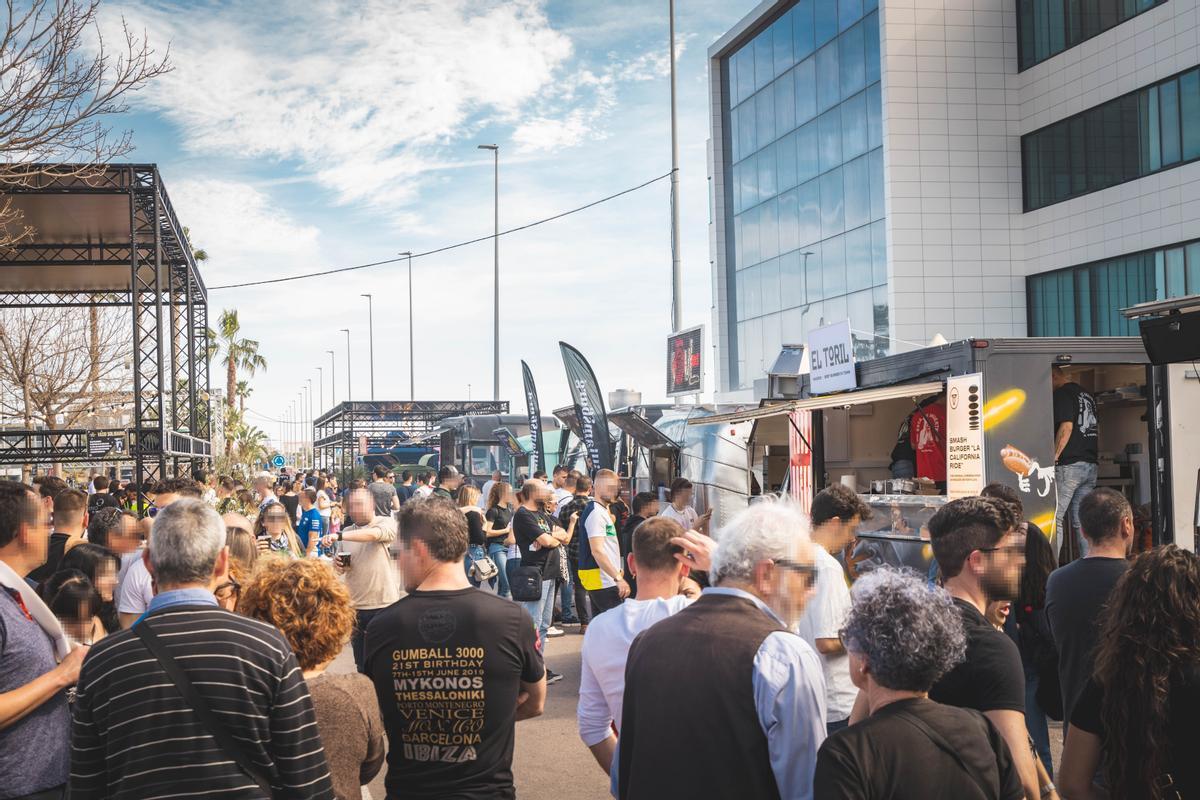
(992, 399)
(471, 444)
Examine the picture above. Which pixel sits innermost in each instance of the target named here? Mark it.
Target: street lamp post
(310, 418)
(676, 264)
(495, 148)
(349, 391)
(412, 392)
(332, 378)
(320, 390)
(371, 339)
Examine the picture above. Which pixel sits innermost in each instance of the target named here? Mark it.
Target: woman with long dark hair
(101, 566)
(500, 502)
(1138, 717)
(1036, 643)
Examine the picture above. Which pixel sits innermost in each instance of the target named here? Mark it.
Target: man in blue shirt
(311, 527)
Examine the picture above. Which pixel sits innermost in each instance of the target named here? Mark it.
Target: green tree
(240, 354)
(243, 391)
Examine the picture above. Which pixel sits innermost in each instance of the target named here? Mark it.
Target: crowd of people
(176, 640)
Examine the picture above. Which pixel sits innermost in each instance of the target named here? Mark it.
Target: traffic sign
(278, 461)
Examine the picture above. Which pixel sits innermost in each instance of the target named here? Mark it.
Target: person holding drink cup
(361, 556)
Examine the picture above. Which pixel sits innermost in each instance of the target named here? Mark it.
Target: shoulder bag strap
(192, 697)
(941, 742)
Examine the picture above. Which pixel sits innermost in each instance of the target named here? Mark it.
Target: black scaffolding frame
(337, 433)
(109, 238)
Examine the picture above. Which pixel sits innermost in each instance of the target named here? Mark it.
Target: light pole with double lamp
(332, 379)
(371, 339)
(412, 392)
(495, 148)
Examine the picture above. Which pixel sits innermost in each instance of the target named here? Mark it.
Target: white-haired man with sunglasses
(724, 686)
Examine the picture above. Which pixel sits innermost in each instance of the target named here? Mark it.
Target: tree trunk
(230, 386)
(94, 355)
(26, 469)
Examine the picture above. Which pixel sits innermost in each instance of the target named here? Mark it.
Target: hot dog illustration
(1016, 461)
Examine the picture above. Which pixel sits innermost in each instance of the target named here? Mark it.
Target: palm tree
(243, 391)
(240, 354)
(251, 445)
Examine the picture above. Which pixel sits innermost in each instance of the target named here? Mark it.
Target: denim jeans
(542, 611)
(474, 553)
(499, 553)
(566, 601)
(1074, 482)
(1035, 720)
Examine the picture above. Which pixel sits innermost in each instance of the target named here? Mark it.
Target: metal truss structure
(107, 236)
(338, 433)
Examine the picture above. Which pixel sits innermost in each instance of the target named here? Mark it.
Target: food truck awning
(640, 429)
(842, 400)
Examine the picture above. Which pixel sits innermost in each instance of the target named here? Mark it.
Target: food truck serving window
(905, 390)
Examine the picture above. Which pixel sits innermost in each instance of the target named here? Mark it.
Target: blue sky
(334, 133)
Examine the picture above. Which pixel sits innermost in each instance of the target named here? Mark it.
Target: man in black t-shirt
(454, 669)
(1076, 593)
(70, 521)
(1075, 451)
(973, 542)
(540, 540)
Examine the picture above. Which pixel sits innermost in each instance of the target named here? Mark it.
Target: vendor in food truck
(1075, 451)
(927, 435)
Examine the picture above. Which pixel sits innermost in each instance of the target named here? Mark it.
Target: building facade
(954, 167)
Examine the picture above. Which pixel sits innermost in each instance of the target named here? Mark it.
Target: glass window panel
(875, 163)
(862, 317)
(785, 103)
(833, 267)
(740, 292)
(752, 286)
(1176, 275)
(808, 212)
(1189, 113)
(754, 349)
(802, 28)
(878, 253)
(750, 251)
(828, 78)
(766, 174)
(764, 117)
(811, 265)
(805, 79)
(735, 139)
(1168, 99)
(749, 182)
(849, 12)
(789, 221)
(1154, 132)
(770, 286)
(737, 189)
(854, 125)
(1193, 268)
(764, 60)
(782, 31)
(857, 192)
(785, 154)
(791, 280)
(1084, 160)
(874, 116)
(858, 261)
(851, 61)
(829, 132)
(879, 306)
(745, 71)
(731, 79)
(871, 43)
(833, 218)
(745, 123)
(834, 308)
(808, 164)
(825, 23)
(768, 230)
(870, 5)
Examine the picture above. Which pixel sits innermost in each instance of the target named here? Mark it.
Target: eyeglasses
(807, 571)
(230, 588)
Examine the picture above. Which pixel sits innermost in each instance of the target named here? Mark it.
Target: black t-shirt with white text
(447, 667)
(1072, 404)
(527, 527)
(991, 678)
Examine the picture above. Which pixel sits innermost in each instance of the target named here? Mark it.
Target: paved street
(550, 762)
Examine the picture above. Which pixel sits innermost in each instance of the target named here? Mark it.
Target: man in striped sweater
(135, 737)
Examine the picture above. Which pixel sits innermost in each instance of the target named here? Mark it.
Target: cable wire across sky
(455, 246)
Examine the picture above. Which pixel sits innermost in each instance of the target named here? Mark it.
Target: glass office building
(804, 199)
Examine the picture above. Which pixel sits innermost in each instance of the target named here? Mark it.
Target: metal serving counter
(896, 533)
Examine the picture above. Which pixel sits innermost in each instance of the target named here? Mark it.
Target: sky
(329, 133)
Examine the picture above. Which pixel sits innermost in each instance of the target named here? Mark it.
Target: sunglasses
(807, 571)
(230, 588)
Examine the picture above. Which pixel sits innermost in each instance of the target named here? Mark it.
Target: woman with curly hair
(1138, 717)
(902, 635)
(311, 607)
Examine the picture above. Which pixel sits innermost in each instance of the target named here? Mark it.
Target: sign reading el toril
(684, 364)
(831, 359)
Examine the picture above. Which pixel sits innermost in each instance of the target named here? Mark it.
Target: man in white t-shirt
(486, 491)
(680, 508)
(659, 563)
(562, 493)
(836, 515)
(600, 569)
(423, 489)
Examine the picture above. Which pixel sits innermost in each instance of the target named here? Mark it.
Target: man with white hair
(723, 686)
(194, 701)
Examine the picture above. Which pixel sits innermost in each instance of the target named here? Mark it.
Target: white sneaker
(555, 632)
